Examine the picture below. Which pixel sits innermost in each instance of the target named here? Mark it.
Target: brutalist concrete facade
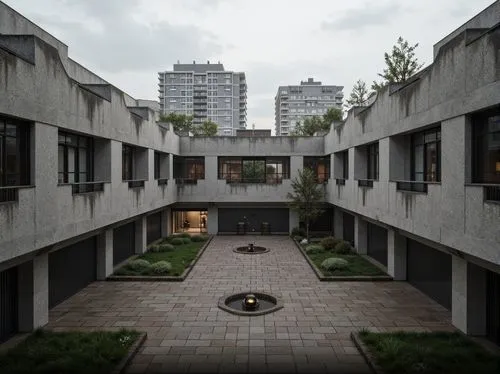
(51, 93)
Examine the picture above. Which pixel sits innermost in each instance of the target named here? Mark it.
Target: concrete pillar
(338, 223)
(293, 219)
(360, 235)
(141, 226)
(105, 254)
(468, 292)
(213, 219)
(166, 224)
(396, 255)
(33, 286)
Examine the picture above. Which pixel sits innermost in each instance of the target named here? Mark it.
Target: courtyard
(187, 332)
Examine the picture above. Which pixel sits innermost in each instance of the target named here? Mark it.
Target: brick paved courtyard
(188, 333)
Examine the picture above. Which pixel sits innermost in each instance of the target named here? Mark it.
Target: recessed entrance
(191, 221)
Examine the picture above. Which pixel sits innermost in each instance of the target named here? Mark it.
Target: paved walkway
(188, 333)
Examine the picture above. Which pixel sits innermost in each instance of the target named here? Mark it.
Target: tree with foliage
(331, 115)
(181, 123)
(358, 95)
(306, 198)
(311, 125)
(207, 128)
(401, 64)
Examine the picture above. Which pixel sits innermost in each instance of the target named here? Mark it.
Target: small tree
(358, 95)
(181, 123)
(207, 128)
(401, 64)
(306, 198)
(331, 115)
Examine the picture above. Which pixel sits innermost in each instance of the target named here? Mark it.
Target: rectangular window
(486, 147)
(270, 170)
(320, 166)
(345, 164)
(128, 162)
(426, 156)
(75, 158)
(189, 168)
(14, 153)
(157, 165)
(372, 161)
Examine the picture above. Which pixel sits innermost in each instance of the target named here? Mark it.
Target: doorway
(190, 221)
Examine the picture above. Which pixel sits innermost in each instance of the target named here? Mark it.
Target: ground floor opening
(190, 220)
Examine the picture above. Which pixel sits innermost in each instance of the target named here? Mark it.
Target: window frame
(281, 167)
(425, 144)
(22, 152)
(128, 169)
(82, 142)
(345, 164)
(313, 162)
(372, 161)
(480, 130)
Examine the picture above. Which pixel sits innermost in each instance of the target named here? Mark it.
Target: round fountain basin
(256, 250)
(234, 304)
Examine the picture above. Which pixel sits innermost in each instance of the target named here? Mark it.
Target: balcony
(492, 193)
(87, 187)
(9, 194)
(367, 183)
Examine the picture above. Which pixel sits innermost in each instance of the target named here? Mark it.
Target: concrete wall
(463, 79)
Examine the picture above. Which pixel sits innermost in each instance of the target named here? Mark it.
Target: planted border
(346, 278)
(162, 278)
(117, 369)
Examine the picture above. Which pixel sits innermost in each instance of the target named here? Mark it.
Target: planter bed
(182, 258)
(424, 352)
(359, 269)
(45, 351)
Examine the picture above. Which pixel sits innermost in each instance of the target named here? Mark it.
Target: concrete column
(105, 254)
(360, 235)
(396, 255)
(468, 292)
(338, 223)
(213, 220)
(293, 219)
(166, 224)
(141, 235)
(33, 279)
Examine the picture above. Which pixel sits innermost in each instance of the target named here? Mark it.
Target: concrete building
(207, 92)
(254, 132)
(88, 178)
(310, 98)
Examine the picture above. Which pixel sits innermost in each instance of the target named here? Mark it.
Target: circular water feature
(250, 303)
(251, 249)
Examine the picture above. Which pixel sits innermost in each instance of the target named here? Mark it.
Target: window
(157, 165)
(320, 166)
(426, 156)
(269, 170)
(128, 162)
(14, 153)
(190, 168)
(372, 161)
(486, 147)
(75, 158)
(345, 164)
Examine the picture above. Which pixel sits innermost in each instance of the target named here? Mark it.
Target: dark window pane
(62, 137)
(60, 159)
(71, 160)
(431, 166)
(12, 159)
(11, 130)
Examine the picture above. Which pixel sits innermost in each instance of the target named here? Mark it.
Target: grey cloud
(359, 18)
(122, 43)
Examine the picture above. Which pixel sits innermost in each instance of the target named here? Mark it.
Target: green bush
(171, 237)
(334, 263)
(199, 238)
(154, 248)
(177, 241)
(298, 238)
(330, 242)
(139, 265)
(186, 240)
(343, 248)
(184, 235)
(161, 267)
(166, 247)
(314, 248)
(296, 231)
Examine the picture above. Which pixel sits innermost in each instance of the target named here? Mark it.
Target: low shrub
(296, 231)
(314, 248)
(343, 248)
(298, 238)
(330, 242)
(177, 241)
(139, 265)
(154, 248)
(334, 263)
(184, 235)
(161, 267)
(199, 238)
(166, 247)
(186, 240)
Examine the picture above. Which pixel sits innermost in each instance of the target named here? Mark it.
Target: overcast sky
(275, 42)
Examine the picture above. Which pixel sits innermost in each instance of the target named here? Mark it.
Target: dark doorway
(348, 227)
(123, 242)
(8, 304)
(154, 227)
(278, 219)
(493, 307)
(377, 243)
